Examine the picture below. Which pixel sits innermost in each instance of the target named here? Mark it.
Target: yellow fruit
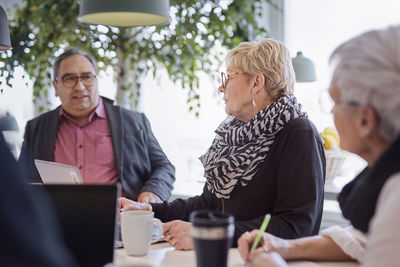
(332, 132)
(331, 138)
(329, 142)
(329, 130)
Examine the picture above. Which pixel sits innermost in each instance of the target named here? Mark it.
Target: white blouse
(381, 247)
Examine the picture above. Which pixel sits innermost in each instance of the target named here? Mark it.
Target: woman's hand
(268, 243)
(266, 254)
(127, 204)
(177, 233)
(267, 259)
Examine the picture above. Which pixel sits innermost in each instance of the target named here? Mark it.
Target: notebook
(87, 215)
(57, 173)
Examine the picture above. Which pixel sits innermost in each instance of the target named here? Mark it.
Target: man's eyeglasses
(226, 77)
(71, 81)
(348, 104)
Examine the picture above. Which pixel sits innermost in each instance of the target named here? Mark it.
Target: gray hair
(68, 53)
(269, 57)
(367, 72)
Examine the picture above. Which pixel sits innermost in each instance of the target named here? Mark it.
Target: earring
(254, 102)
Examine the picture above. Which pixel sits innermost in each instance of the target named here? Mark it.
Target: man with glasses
(107, 143)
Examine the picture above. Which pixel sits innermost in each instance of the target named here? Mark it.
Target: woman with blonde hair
(267, 157)
(365, 89)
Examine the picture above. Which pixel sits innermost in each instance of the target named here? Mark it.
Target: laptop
(57, 173)
(87, 215)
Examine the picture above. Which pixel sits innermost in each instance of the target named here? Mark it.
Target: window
(316, 28)
(183, 137)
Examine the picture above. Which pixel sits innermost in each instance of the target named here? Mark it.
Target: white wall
(316, 28)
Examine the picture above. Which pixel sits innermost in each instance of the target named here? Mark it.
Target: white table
(163, 255)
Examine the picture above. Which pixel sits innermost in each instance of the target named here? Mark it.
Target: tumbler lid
(211, 218)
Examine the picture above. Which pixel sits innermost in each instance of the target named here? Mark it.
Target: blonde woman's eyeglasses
(226, 77)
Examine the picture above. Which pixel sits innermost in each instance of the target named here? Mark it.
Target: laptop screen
(57, 173)
(87, 217)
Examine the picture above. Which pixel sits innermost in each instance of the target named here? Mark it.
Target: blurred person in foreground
(29, 232)
(267, 156)
(365, 89)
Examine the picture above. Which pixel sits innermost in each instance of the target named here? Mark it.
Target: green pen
(260, 232)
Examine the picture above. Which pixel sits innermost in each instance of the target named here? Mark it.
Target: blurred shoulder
(388, 205)
(391, 190)
(384, 238)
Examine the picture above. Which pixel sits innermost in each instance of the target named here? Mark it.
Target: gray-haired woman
(366, 91)
(267, 157)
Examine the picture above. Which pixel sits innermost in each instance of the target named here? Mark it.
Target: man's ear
(258, 83)
(368, 121)
(55, 87)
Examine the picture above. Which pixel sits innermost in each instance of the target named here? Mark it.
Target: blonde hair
(269, 57)
(367, 71)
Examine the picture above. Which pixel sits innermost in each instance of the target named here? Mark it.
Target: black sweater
(289, 185)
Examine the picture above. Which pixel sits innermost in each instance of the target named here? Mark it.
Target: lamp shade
(5, 42)
(8, 123)
(304, 68)
(124, 13)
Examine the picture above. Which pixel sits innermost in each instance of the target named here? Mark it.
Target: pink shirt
(88, 147)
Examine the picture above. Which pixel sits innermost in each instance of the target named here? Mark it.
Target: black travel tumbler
(212, 234)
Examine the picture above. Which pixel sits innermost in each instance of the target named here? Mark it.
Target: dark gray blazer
(141, 163)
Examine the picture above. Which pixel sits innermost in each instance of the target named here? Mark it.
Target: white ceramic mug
(139, 229)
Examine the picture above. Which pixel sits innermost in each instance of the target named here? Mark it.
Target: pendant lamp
(8, 123)
(304, 68)
(5, 42)
(124, 13)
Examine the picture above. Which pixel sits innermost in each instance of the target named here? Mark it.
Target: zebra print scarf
(239, 148)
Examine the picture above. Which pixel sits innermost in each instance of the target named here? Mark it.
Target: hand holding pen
(263, 227)
(267, 245)
(248, 242)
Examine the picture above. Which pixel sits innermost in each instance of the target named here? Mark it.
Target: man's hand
(127, 204)
(149, 197)
(177, 233)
